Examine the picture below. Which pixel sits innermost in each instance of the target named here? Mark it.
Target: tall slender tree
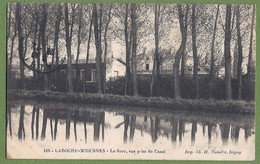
(105, 48)
(194, 49)
(240, 53)
(128, 78)
(79, 33)
(69, 30)
(134, 47)
(183, 20)
(11, 25)
(156, 78)
(57, 31)
(250, 67)
(212, 55)
(43, 42)
(227, 53)
(89, 36)
(97, 33)
(20, 44)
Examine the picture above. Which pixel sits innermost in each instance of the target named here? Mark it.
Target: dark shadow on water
(171, 127)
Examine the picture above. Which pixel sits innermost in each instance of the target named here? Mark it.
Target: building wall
(116, 69)
(79, 72)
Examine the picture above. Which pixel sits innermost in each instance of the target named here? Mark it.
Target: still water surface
(108, 132)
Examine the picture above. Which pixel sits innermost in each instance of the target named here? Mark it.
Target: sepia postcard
(130, 81)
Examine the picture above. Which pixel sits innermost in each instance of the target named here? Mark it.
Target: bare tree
(128, 80)
(43, 41)
(250, 67)
(134, 47)
(69, 30)
(156, 78)
(194, 48)
(97, 32)
(11, 25)
(79, 33)
(105, 51)
(240, 53)
(89, 36)
(57, 31)
(183, 28)
(212, 55)
(227, 53)
(20, 44)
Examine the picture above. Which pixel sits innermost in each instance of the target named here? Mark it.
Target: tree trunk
(79, 43)
(34, 50)
(43, 41)
(128, 79)
(88, 47)
(56, 37)
(38, 59)
(9, 58)
(105, 52)
(240, 54)
(12, 40)
(100, 24)
(180, 52)
(98, 49)
(12, 50)
(9, 10)
(56, 42)
(235, 61)
(134, 47)
(152, 80)
(212, 56)
(194, 49)
(20, 46)
(227, 54)
(156, 79)
(183, 63)
(79, 32)
(89, 37)
(68, 46)
(250, 67)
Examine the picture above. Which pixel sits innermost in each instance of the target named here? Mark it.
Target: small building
(116, 67)
(80, 71)
(146, 61)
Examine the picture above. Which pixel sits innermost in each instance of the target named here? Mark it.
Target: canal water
(71, 131)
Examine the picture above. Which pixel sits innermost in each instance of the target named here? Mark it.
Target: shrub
(152, 102)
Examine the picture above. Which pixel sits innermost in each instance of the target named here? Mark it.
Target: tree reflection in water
(132, 127)
(157, 127)
(154, 128)
(235, 133)
(174, 124)
(32, 124)
(224, 128)
(44, 124)
(210, 129)
(193, 131)
(126, 123)
(21, 131)
(68, 124)
(56, 115)
(9, 120)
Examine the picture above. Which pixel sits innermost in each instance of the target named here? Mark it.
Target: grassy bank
(153, 102)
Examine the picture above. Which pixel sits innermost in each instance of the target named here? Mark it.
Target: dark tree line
(93, 26)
